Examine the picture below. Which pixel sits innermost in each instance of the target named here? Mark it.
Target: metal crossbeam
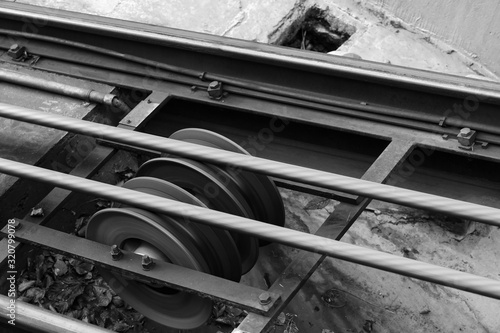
(164, 273)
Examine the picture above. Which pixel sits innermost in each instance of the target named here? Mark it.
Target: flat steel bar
(38, 319)
(273, 233)
(163, 273)
(319, 178)
(305, 263)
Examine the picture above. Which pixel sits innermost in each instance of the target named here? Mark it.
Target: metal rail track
(398, 102)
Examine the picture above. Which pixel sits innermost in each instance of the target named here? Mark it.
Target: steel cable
(323, 179)
(297, 239)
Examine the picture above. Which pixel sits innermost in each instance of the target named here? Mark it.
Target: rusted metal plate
(129, 266)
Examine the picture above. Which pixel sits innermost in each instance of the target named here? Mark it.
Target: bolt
(116, 253)
(465, 131)
(264, 298)
(213, 84)
(215, 89)
(16, 51)
(16, 224)
(466, 137)
(147, 262)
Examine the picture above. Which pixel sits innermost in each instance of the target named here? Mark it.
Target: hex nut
(16, 51)
(465, 131)
(466, 137)
(147, 262)
(116, 253)
(265, 298)
(215, 89)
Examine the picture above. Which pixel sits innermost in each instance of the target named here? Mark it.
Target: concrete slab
(474, 27)
(401, 47)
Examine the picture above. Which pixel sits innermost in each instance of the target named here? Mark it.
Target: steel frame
(378, 80)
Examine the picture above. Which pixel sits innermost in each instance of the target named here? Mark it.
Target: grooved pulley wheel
(159, 237)
(183, 242)
(260, 192)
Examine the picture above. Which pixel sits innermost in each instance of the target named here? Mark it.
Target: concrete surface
(265, 21)
(473, 26)
(389, 302)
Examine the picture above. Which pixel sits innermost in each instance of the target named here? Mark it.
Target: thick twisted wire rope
(378, 191)
(297, 239)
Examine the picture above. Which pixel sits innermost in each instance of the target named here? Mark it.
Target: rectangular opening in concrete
(317, 30)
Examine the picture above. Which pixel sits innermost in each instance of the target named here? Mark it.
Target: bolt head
(16, 51)
(466, 137)
(465, 131)
(214, 84)
(265, 298)
(116, 253)
(215, 89)
(147, 262)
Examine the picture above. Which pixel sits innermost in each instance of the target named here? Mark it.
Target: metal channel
(164, 273)
(407, 91)
(234, 49)
(397, 115)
